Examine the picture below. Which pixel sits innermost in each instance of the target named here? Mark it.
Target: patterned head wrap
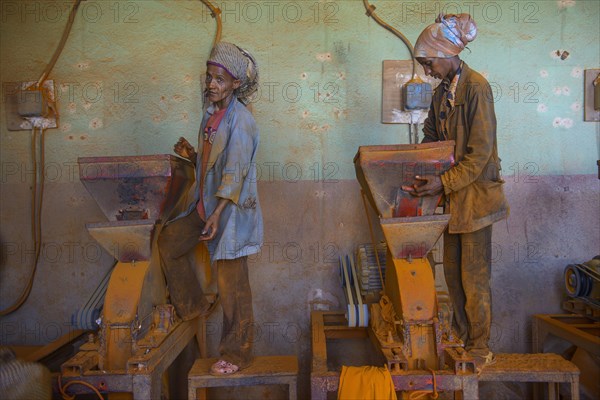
(239, 64)
(447, 37)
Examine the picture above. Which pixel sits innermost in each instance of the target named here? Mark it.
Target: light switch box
(23, 105)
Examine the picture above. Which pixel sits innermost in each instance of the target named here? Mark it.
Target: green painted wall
(129, 76)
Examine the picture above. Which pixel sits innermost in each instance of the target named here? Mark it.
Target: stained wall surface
(129, 83)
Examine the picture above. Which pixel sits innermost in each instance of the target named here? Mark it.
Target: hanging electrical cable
(38, 197)
(61, 44)
(35, 227)
(216, 14)
(371, 13)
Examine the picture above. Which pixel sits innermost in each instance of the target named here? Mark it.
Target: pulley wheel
(576, 282)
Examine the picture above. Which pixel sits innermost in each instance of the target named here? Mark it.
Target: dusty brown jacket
(473, 187)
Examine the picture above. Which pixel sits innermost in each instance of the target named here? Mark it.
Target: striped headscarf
(447, 37)
(239, 64)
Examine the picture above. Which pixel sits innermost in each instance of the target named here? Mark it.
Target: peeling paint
(323, 57)
(559, 122)
(576, 106)
(557, 90)
(577, 72)
(65, 127)
(566, 123)
(72, 108)
(542, 108)
(82, 65)
(544, 73)
(96, 123)
(556, 122)
(566, 91)
(559, 54)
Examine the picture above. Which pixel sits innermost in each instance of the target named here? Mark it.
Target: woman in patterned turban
(462, 110)
(225, 213)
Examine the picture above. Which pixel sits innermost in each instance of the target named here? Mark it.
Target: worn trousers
(235, 295)
(467, 269)
(175, 243)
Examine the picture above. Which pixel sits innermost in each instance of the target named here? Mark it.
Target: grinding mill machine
(139, 333)
(411, 322)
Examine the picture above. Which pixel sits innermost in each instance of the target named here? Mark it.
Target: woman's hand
(428, 185)
(212, 223)
(184, 149)
(211, 227)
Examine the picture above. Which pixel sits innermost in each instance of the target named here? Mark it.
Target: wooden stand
(550, 368)
(268, 370)
(579, 330)
(333, 325)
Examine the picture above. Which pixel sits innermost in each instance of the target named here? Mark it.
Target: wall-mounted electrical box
(400, 96)
(591, 94)
(28, 106)
(416, 95)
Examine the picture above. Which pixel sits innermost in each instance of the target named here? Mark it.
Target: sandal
(482, 361)
(223, 367)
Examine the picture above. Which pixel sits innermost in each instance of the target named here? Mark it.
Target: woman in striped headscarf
(225, 213)
(462, 110)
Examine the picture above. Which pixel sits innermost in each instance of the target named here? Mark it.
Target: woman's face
(436, 67)
(220, 85)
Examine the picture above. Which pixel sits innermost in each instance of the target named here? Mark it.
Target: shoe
(223, 367)
(482, 361)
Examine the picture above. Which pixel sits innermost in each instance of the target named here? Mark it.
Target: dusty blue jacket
(231, 174)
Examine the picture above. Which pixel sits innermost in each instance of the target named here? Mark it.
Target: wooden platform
(536, 368)
(266, 370)
(548, 368)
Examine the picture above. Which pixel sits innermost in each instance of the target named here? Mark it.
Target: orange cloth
(366, 383)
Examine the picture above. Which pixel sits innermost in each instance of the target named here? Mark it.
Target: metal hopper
(134, 192)
(408, 223)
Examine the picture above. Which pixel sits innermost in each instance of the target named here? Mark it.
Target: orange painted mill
(411, 322)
